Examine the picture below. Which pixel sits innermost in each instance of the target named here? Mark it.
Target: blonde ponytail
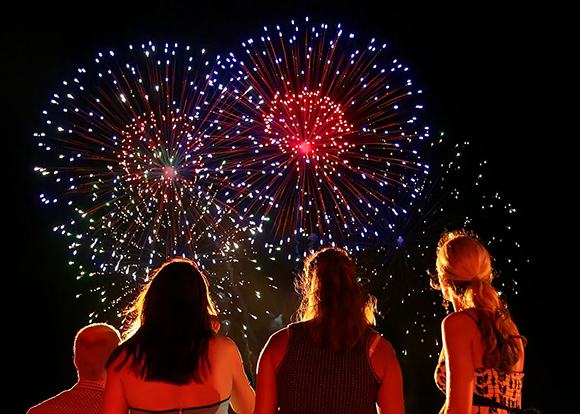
(501, 339)
(465, 264)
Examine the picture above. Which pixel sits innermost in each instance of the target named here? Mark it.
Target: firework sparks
(246, 164)
(326, 136)
(129, 142)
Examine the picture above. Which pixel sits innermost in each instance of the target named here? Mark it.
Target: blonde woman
(481, 366)
(331, 360)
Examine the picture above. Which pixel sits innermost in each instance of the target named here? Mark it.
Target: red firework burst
(325, 132)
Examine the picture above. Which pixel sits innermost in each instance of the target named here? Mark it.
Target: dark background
(485, 72)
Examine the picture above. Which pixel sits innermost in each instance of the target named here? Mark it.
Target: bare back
(461, 374)
(226, 379)
(479, 348)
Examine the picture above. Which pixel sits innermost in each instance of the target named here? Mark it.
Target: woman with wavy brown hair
(480, 368)
(172, 359)
(330, 360)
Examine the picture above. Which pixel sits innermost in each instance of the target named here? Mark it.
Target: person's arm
(243, 396)
(460, 371)
(390, 399)
(115, 401)
(266, 385)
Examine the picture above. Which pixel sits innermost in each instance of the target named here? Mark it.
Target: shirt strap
(374, 344)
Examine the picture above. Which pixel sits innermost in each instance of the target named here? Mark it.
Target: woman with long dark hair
(172, 359)
(331, 360)
(480, 368)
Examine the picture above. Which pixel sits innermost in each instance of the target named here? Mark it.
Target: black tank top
(315, 380)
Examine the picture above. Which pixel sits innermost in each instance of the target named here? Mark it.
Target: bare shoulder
(279, 338)
(275, 348)
(384, 347)
(460, 325)
(385, 351)
(384, 360)
(222, 343)
(224, 352)
(119, 360)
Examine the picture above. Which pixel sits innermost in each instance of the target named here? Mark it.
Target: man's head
(92, 347)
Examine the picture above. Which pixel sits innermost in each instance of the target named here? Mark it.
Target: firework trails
(129, 142)
(327, 133)
(303, 137)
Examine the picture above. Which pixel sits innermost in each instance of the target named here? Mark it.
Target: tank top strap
(376, 337)
(472, 317)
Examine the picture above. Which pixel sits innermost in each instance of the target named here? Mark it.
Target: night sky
(484, 74)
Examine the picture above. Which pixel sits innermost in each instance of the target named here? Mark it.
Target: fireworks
(245, 162)
(327, 135)
(130, 144)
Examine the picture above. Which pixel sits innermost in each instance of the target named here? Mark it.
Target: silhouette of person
(173, 360)
(480, 368)
(93, 345)
(331, 360)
